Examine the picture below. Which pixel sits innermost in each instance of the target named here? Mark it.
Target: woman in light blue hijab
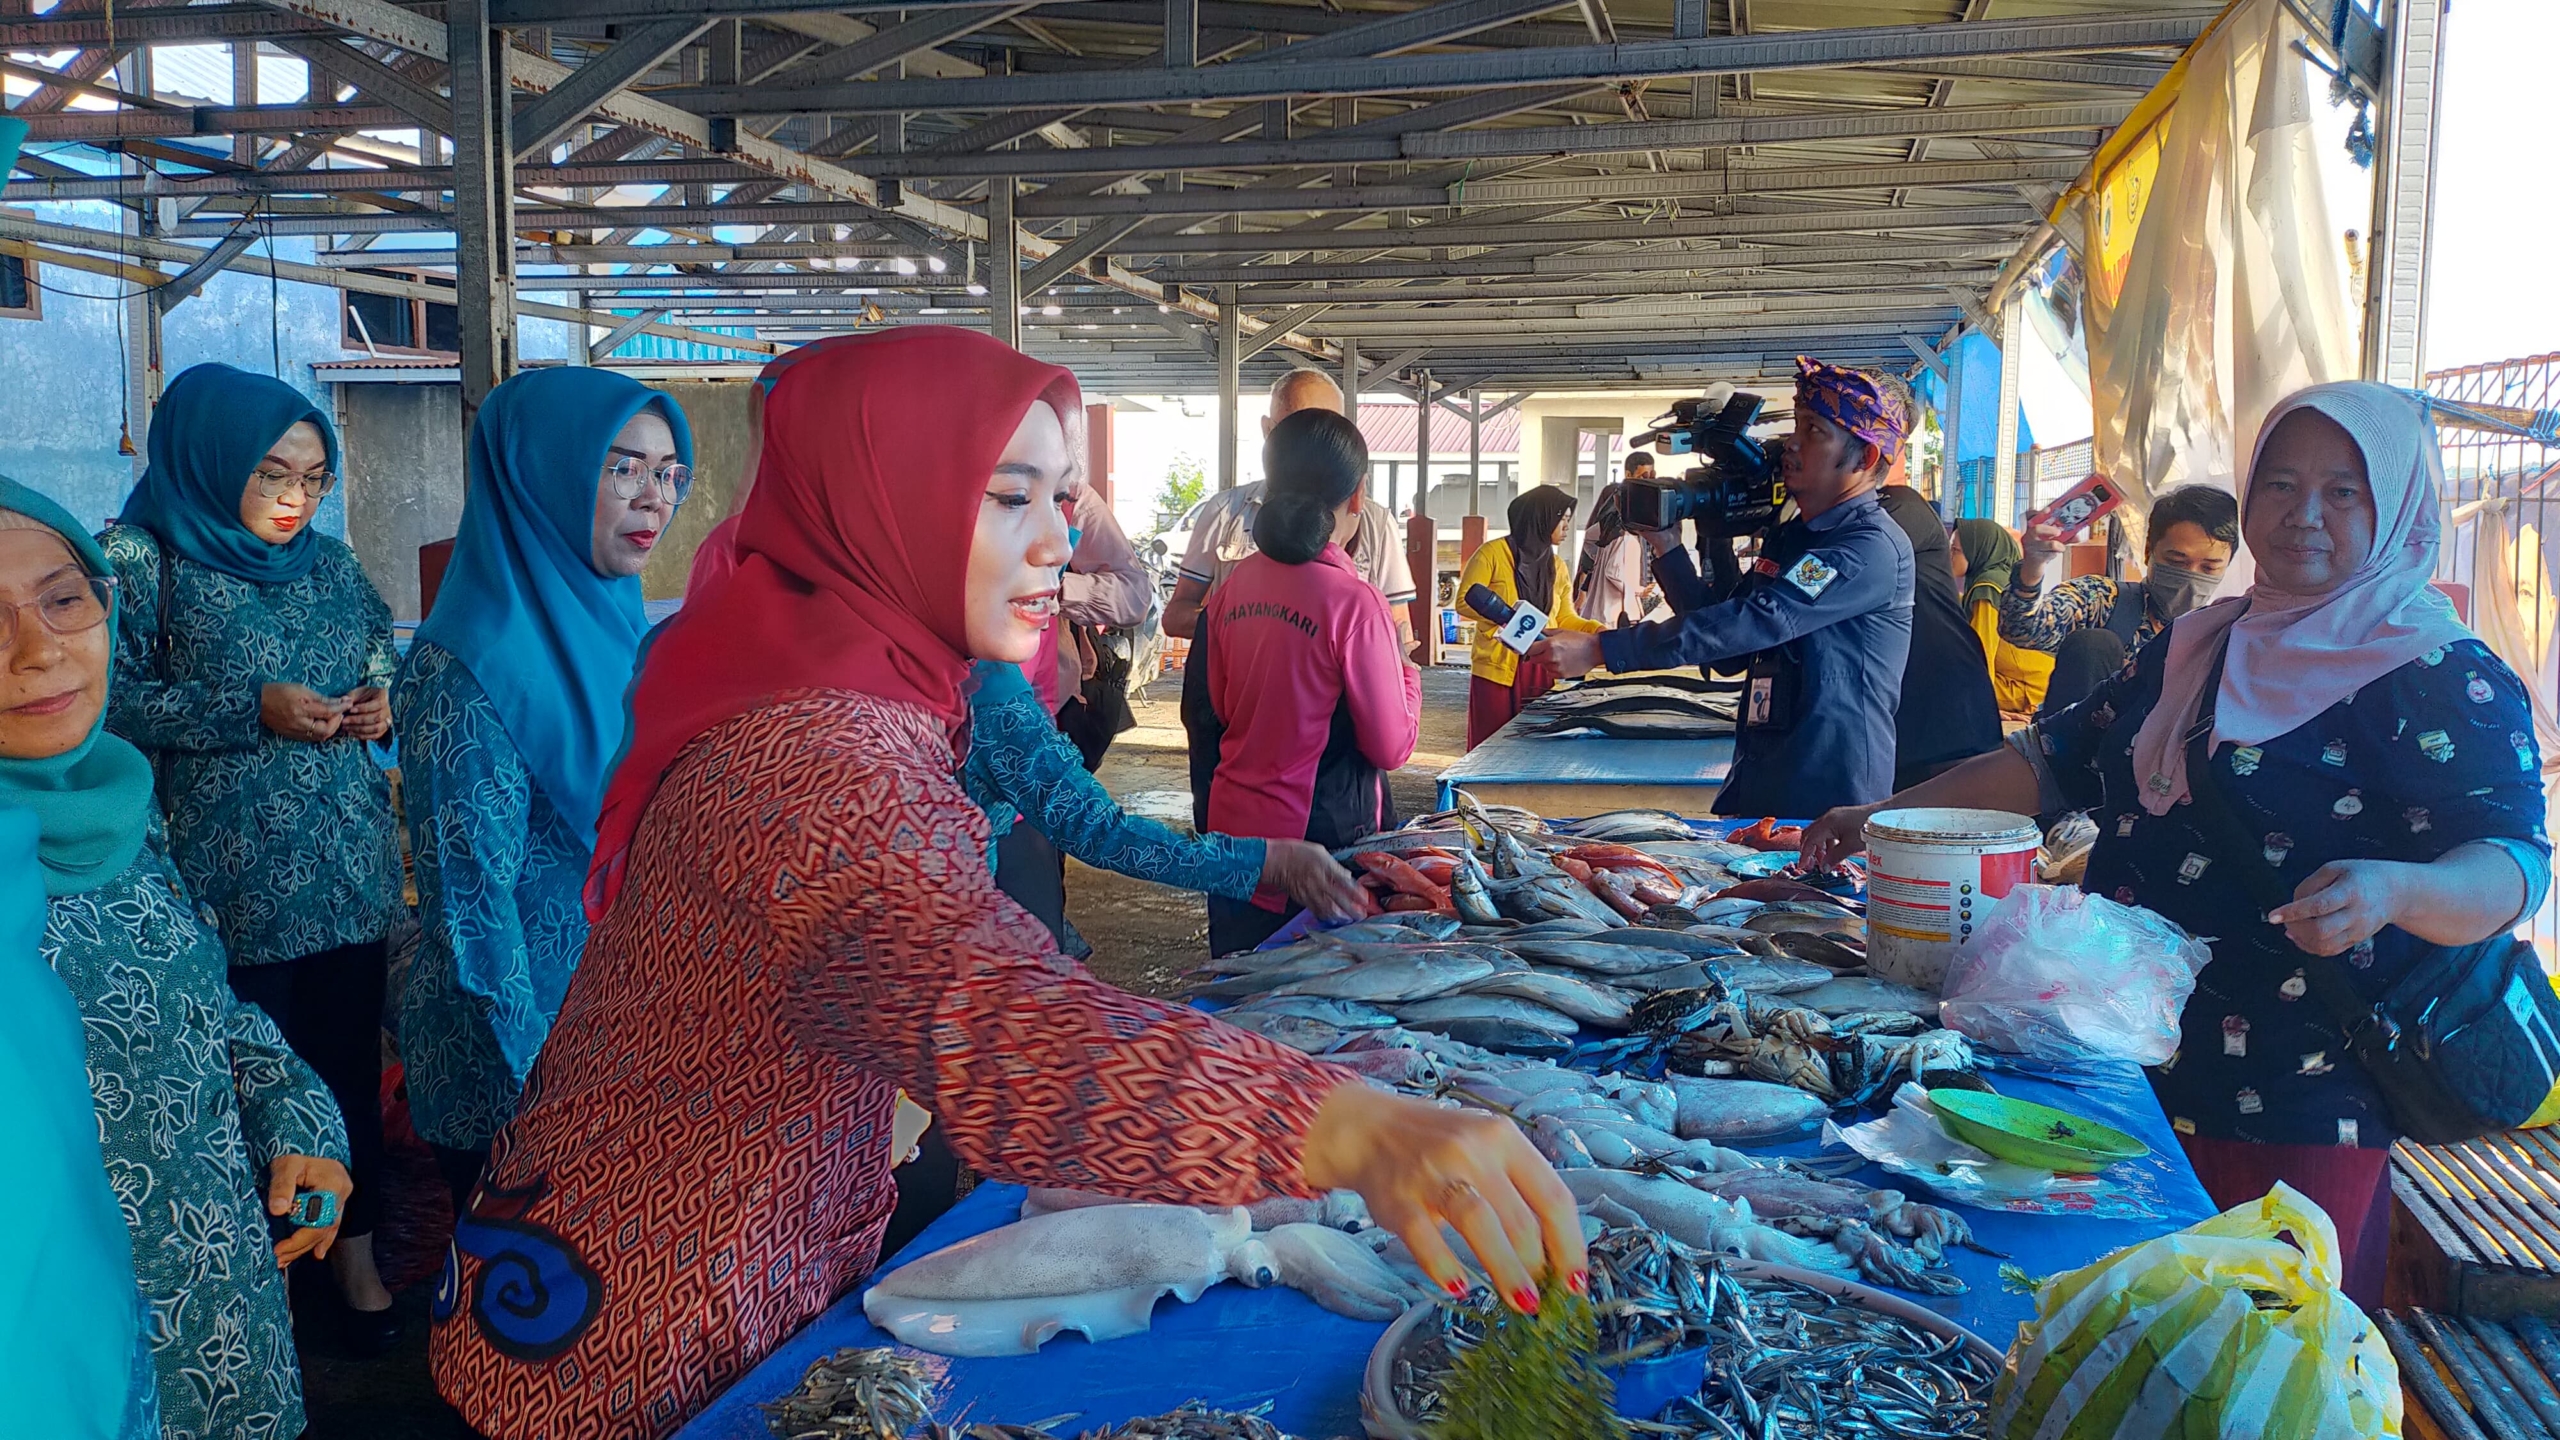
(253, 663)
(511, 706)
(197, 1108)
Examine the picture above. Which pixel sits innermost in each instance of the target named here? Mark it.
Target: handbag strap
(2327, 979)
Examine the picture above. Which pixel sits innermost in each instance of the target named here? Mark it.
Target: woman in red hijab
(796, 920)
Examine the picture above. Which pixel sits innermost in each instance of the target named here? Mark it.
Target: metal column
(1351, 379)
(1230, 362)
(1475, 452)
(1951, 426)
(2395, 330)
(484, 200)
(2004, 460)
(1004, 264)
(1421, 447)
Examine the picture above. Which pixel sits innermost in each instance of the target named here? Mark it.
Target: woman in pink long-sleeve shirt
(1304, 670)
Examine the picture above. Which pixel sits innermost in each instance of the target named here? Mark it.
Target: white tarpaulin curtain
(2232, 296)
(2513, 611)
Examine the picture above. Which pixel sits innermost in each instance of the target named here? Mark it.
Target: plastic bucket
(1931, 874)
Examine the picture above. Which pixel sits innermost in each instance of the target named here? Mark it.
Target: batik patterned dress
(700, 1164)
(196, 1094)
(1022, 768)
(291, 843)
(499, 874)
(2436, 754)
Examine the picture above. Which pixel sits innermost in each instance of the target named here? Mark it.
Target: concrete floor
(1143, 937)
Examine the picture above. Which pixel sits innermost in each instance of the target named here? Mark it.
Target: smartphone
(2082, 506)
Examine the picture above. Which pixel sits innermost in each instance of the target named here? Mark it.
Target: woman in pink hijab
(2379, 757)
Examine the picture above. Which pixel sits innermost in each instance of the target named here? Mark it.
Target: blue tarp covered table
(1237, 1348)
(1590, 774)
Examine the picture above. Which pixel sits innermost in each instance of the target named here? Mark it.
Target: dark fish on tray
(1649, 937)
(1636, 725)
(1832, 952)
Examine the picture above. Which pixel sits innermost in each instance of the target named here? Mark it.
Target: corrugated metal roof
(1390, 430)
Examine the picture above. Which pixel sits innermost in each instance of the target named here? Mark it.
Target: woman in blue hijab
(197, 1108)
(511, 712)
(253, 663)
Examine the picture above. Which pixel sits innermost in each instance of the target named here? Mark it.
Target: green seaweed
(1532, 1377)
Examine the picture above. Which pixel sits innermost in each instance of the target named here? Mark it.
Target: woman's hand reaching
(1421, 1166)
(1304, 872)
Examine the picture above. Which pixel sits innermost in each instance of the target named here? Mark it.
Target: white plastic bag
(2063, 975)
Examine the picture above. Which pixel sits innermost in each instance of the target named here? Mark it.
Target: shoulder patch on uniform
(1812, 576)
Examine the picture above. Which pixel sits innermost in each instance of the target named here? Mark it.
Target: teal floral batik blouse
(290, 843)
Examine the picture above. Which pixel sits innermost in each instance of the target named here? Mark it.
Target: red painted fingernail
(1525, 1300)
(1579, 1282)
(1457, 1289)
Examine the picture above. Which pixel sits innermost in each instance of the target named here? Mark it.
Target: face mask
(2174, 592)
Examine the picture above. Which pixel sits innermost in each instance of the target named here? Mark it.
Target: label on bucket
(1933, 880)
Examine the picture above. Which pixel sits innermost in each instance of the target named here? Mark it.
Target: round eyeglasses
(314, 484)
(629, 478)
(67, 607)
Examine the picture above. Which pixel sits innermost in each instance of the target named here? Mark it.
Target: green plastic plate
(2031, 1134)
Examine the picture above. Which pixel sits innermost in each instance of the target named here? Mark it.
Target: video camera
(1740, 488)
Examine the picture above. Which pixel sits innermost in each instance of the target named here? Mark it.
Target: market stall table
(1238, 1348)
(1591, 774)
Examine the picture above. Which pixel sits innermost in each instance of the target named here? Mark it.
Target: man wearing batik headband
(1819, 625)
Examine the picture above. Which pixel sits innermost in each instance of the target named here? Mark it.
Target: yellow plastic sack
(2219, 1332)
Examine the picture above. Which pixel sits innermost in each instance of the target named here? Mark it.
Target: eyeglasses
(628, 478)
(314, 484)
(67, 607)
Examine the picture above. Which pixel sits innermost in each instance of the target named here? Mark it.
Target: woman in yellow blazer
(1985, 556)
(1524, 563)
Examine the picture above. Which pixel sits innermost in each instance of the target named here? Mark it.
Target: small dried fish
(856, 1394)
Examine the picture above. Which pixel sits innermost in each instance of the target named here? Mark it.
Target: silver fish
(1430, 1014)
(1509, 1037)
(1513, 861)
(1345, 1014)
(1568, 995)
(1416, 976)
(1257, 982)
(1467, 891)
(1596, 959)
(1853, 994)
(1773, 975)
(1695, 946)
(1307, 1037)
(1250, 962)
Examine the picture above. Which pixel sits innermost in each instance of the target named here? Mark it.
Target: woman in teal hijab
(199, 1108)
(511, 706)
(253, 663)
(72, 1361)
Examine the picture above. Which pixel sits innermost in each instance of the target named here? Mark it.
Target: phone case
(2084, 505)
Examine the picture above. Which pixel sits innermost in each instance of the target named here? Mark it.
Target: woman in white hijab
(2381, 759)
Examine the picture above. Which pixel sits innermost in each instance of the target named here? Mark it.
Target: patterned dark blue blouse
(499, 874)
(291, 843)
(2436, 754)
(1020, 765)
(196, 1094)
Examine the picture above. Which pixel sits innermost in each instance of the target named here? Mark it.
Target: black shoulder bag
(2467, 1043)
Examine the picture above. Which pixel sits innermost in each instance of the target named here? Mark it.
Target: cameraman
(1821, 622)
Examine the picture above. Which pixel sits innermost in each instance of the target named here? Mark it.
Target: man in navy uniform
(1820, 624)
